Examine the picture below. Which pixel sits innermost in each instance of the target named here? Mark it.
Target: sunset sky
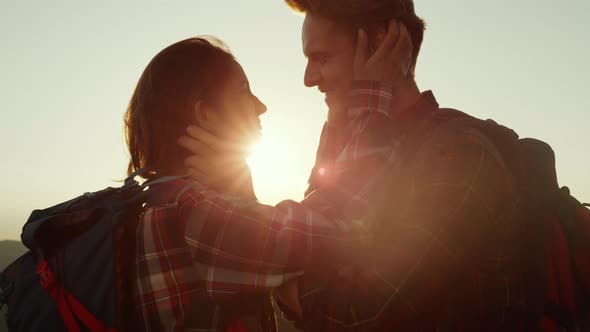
(68, 68)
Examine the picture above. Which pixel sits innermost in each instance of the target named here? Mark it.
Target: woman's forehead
(237, 76)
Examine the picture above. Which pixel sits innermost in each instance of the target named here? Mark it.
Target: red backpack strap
(575, 221)
(581, 248)
(67, 304)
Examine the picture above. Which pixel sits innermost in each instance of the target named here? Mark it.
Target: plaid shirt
(445, 252)
(201, 255)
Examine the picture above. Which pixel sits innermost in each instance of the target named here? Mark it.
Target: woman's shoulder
(174, 191)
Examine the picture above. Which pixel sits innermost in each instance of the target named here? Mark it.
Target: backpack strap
(125, 245)
(566, 209)
(68, 306)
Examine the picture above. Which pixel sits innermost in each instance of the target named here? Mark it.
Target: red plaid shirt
(446, 242)
(200, 254)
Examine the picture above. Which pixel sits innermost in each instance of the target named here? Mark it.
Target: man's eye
(320, 58)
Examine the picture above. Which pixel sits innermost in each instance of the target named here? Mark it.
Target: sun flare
(263, 158)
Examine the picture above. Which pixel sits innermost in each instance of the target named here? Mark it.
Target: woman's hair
(367, 14)
(162, 105)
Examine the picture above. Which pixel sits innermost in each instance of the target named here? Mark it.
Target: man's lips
(327, 98)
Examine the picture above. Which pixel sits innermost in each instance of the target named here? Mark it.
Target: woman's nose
(260, 107)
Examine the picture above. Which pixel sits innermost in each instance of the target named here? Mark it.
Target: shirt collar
(408, 119)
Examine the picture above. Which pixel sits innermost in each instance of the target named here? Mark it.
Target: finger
(404, 42)
(195, 146)
(403, 49)
(206, 137)
(389, 41)
(362, 48)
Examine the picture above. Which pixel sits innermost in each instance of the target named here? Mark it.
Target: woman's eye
(323, 59)
(245, 88)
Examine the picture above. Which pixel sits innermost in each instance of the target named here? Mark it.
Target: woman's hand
(390, 62)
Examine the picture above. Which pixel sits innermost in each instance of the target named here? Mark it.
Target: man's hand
(288, 296)
(216, 163)
(390, 62)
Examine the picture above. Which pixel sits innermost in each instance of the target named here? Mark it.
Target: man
(442, 254)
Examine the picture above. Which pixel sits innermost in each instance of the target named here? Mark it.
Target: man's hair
(367, 14)
(162, 105)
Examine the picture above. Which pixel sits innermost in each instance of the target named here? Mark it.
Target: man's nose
(312, 75)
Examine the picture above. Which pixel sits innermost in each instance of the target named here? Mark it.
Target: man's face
(329, 49)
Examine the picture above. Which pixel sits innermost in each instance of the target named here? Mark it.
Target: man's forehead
(319, 32)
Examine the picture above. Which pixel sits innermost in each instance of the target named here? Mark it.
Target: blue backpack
(78, 274)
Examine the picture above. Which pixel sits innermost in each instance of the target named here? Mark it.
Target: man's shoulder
(453, 126)
(449, 134)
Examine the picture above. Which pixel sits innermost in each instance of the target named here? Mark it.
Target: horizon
(69, 69)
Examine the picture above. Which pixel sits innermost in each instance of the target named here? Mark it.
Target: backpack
(78, 274)
(556, 254)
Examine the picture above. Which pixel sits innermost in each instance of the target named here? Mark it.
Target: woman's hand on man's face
(392, 59)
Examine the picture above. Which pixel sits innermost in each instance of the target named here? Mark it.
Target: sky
(68, 68)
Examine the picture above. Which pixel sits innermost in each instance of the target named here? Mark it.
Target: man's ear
(378, 36)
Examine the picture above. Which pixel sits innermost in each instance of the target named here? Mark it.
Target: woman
(195, 81)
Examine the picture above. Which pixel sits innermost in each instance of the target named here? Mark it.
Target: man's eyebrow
(316, 54)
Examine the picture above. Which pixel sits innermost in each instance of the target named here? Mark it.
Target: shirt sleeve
(457, 193)
(329, 225)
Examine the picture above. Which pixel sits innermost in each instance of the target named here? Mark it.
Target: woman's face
(236, 110)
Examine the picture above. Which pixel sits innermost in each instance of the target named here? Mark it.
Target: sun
(274, 167)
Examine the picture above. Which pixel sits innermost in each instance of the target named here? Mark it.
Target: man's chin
(337, 114)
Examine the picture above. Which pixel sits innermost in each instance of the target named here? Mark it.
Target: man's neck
(405, 96)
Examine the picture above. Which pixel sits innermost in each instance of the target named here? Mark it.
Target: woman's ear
(207, 117)
(201, 114)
